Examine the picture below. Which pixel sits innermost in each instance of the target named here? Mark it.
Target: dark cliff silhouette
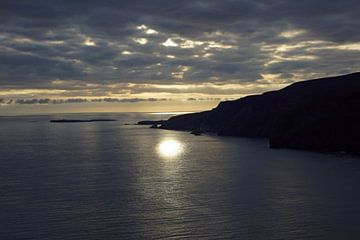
(321, 114)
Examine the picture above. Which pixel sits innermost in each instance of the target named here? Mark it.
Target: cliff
(321, 114)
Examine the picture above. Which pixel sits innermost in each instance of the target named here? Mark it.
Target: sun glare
(170, 148)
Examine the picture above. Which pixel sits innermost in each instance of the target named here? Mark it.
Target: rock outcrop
(321, 114)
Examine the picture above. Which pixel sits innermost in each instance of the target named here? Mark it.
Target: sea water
(107, 180)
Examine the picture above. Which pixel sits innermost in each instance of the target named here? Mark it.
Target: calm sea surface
(106, 180)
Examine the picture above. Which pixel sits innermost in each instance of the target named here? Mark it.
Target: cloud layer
(175, 49)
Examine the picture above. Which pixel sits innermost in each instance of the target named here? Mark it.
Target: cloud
(80, 100)
(133, 100)
(91, 48)
(49, 101)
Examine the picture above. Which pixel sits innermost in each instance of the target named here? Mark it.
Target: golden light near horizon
(170, 148)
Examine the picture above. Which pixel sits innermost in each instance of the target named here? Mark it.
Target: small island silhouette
(81, 120)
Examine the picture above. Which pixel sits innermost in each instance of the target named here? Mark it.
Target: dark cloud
(208, 99)
(80, 100)
(132, 100)
(49, 101)
(102, 42)
(32, 101)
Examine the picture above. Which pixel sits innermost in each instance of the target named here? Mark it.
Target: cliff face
(321, 114)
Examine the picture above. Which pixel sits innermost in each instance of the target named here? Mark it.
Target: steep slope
(321, 114)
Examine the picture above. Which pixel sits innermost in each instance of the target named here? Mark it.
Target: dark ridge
(320, 115)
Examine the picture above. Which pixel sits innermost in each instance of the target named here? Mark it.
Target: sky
(142, 55)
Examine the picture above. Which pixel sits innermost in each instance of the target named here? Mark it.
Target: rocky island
(150, 122)
(319, 115)
(81, 120)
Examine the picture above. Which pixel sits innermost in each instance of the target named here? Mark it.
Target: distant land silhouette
(150, 122)
(81, 120)
(318, 115)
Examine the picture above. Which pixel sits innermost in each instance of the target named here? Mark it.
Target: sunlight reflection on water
(170, 148)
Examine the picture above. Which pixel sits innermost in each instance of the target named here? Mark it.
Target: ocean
(107, 180)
